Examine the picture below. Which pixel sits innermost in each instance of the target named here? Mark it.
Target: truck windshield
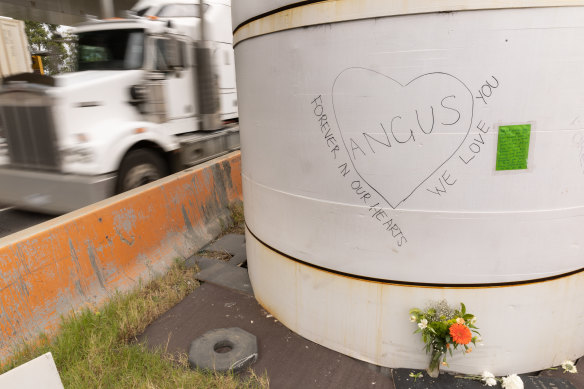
(111, 50)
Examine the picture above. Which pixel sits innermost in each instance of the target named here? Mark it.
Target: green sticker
(513, 146)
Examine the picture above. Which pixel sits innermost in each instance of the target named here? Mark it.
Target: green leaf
(463, 308)
(415, 311)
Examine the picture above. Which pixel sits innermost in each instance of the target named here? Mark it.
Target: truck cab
(153, 93)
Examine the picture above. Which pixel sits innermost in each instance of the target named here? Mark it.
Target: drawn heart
(398, 135)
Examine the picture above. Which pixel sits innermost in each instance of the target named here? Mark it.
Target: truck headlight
(80, 154)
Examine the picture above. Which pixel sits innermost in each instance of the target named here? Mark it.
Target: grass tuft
(95, 348)
(237, 219)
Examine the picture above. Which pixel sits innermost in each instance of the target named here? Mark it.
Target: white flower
(569, 367)
(459, 320)
(479, 341)
(423, 324)
(473, 321)
(512, 382)
(488, 378)
(412, 319)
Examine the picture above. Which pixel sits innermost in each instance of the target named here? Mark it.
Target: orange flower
(460, 333)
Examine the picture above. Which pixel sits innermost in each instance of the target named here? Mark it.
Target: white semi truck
(154, 93)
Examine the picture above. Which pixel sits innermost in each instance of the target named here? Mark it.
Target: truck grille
(28, 125)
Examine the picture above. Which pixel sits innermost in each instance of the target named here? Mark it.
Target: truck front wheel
(140, 167)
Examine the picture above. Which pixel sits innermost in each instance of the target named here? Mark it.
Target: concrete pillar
(202, 17)
(107, 9)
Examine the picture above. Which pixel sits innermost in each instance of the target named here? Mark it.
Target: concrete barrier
(83, 257)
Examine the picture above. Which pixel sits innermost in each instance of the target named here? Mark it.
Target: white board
(39, 373)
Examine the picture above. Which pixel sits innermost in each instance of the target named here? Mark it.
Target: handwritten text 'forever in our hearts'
(361, 190)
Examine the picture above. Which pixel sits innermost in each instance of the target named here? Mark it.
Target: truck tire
(140, 167)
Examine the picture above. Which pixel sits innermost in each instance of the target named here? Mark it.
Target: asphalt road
(12, 220)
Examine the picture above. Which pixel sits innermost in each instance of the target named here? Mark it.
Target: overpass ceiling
(66, 12)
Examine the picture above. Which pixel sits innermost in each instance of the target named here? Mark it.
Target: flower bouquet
(444, 329)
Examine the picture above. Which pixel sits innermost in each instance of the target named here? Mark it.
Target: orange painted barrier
(82, 257)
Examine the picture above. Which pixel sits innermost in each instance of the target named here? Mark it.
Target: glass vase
(433, 369)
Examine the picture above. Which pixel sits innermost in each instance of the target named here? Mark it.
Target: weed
(237, 218)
